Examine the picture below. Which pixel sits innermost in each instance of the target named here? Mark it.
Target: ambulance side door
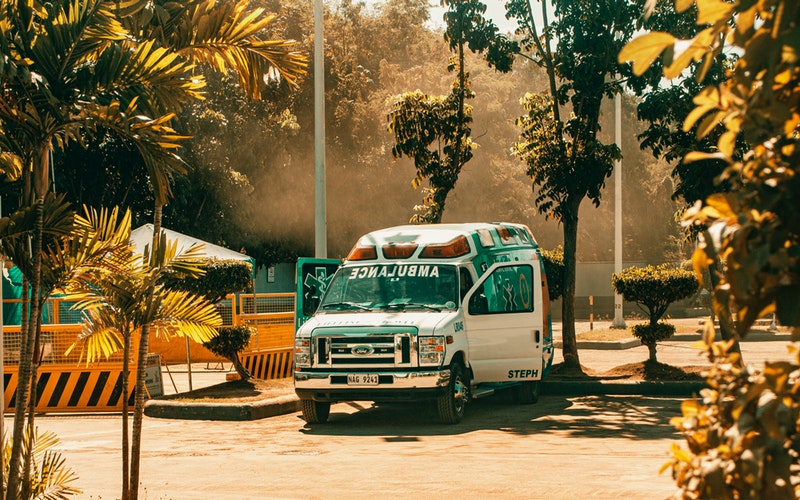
(504, 323)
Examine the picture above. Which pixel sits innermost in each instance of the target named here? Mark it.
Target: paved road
(577, 447)
(563, 447)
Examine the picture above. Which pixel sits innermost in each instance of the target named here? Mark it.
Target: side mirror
(478, 304)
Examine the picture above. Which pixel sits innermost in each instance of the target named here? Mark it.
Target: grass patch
(606, 335)
(618, 334)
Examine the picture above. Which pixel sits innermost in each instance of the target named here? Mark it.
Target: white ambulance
(447, 312)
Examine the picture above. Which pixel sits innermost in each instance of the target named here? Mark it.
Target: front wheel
(315, 412)
(451, 405)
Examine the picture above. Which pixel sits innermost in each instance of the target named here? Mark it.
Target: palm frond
(50, 476)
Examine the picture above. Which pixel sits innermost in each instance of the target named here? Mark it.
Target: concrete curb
(222, 411)
(290, 403)
(675, 388)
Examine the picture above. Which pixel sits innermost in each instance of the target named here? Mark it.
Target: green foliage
(742, 435)
(650, 334)
(50, 477)
(221, 278)
(654, 287)
(554, 269)
(229, 342)
(742, 439)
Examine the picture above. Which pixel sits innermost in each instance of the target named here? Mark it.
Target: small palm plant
(118, 304)
(49, 478)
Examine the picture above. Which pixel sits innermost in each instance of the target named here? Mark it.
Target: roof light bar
(453, 248)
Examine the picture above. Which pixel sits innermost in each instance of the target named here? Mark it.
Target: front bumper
(392, 386)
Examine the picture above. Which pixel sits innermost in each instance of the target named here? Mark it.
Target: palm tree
(119, 303)
(75, 66)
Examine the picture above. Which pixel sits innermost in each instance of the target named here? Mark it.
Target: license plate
(362, 379)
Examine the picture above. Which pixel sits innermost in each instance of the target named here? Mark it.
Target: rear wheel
(528, 392)
(315, 412)
(451, 405)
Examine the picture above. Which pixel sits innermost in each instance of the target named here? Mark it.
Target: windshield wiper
(402, 306)
(345, 305)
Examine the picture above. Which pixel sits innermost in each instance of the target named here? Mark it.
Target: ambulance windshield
(392, 287)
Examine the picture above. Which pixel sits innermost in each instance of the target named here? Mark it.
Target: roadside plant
(743, 438)
(50, 478)
(554, 269)
(119, 304)
(229, 342)
(653, 289)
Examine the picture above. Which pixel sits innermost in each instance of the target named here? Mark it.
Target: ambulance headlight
(302, 353)
(431, 350)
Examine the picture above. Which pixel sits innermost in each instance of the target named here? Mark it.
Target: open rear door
(505, 325)
(311, 280)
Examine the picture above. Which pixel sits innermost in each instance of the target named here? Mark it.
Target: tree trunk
(239, 367)
(569, 340)
(141, 364)
(125, 376)
(651, 349)
(28, 332)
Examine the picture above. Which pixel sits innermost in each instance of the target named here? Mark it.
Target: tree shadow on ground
(629, 417)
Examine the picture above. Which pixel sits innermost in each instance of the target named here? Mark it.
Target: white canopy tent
(143, 236)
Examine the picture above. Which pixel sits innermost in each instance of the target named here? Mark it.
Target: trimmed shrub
(654, 288)
(229, 342)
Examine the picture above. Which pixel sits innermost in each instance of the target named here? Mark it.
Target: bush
(229, 342)
(221, 278)
(654, 288)
(554, 269)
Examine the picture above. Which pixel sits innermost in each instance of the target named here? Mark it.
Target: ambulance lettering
(399, 271)
(522, 374)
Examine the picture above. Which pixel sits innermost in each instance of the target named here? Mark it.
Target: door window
(508, 289)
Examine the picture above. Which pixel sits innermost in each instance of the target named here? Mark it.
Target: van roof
(442, 241)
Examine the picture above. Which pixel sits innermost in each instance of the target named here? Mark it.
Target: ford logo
(362, 350)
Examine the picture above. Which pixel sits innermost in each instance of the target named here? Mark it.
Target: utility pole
(619, 319)
(320, 216)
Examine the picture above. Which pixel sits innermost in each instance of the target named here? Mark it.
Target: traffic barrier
(269, 364)
(66, 388)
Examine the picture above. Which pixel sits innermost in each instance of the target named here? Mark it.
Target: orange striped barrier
(269, 364)
(68, 388)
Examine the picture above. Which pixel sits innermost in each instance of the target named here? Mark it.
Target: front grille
(389, 350)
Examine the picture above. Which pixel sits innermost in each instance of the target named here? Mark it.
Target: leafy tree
(742, 436)
(654, 288)
(435, 131)
(566, 161)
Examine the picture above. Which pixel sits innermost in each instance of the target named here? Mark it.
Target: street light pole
(619, 319)
(320, 216)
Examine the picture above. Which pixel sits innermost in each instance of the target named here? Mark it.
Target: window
(507, 290)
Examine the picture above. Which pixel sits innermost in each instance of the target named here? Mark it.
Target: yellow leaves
(713, 11)
(644, 50)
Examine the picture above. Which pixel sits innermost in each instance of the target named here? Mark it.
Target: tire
(315, 412)
(528, 392)
(452, 404)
